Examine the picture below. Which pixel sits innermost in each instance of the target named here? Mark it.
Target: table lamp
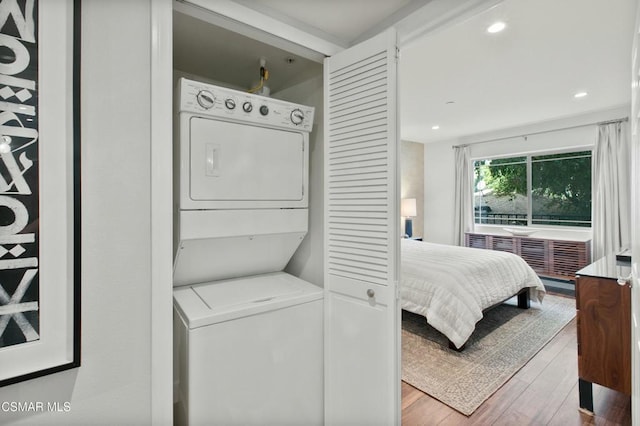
(408, 210)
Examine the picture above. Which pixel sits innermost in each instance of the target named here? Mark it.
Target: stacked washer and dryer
(247, 336)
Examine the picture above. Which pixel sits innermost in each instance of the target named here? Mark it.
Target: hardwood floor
(543, 392)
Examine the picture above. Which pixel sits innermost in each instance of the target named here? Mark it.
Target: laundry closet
(248, 335)
(285, 251)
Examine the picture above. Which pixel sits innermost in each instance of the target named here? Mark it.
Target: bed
(451, 286)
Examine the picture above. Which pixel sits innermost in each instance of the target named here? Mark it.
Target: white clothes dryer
(240, 182)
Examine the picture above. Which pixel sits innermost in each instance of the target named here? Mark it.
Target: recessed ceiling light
(496, 27)
(580, 95)
(436, 127)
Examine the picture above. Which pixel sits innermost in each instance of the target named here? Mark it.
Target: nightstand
(604, 328)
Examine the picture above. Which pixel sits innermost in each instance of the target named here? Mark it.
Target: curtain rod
(617, 120)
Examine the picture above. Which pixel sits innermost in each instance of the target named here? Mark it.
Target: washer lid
(218, 301)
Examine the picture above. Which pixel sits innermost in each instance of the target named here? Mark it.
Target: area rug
(503, 342)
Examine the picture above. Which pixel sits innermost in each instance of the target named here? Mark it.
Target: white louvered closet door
(362, 381)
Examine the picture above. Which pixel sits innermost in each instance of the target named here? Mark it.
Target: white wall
(439, 166)
(113, 384)
(438, 193)
(635, 224)
(308, 261)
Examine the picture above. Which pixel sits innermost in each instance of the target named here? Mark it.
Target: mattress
(451, 285)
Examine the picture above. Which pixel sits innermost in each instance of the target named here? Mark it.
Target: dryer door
(236, 164)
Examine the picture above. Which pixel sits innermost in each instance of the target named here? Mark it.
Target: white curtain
(463, 194)
(611, 190)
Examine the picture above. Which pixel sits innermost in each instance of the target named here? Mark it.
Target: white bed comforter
(452, 285)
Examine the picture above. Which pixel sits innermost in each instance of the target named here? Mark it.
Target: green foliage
(565, 184)
(562, 180)
(504, 176)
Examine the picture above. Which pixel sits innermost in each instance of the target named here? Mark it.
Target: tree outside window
(549, 189)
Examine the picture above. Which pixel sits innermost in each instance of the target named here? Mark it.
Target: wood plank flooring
(543, 392)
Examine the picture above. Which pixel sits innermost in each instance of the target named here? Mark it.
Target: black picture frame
(49, 316)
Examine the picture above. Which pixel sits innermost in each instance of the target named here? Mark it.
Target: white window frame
(529, 155)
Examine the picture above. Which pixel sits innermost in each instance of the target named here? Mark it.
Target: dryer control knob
(230, 103)
(247, 107)
(206, 99)
(264, 110)
(297, 116)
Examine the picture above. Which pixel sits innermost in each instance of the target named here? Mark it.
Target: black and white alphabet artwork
(40, 214)
(19, 196)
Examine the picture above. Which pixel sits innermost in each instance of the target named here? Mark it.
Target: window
(549, 189)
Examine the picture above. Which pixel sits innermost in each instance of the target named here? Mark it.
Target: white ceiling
(526, 74)
(339, 21)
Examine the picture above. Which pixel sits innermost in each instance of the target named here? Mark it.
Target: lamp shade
(408, 207)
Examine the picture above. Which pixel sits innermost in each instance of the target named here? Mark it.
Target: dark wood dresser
(604, 328)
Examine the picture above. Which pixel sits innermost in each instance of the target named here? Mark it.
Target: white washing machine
(248, 339)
